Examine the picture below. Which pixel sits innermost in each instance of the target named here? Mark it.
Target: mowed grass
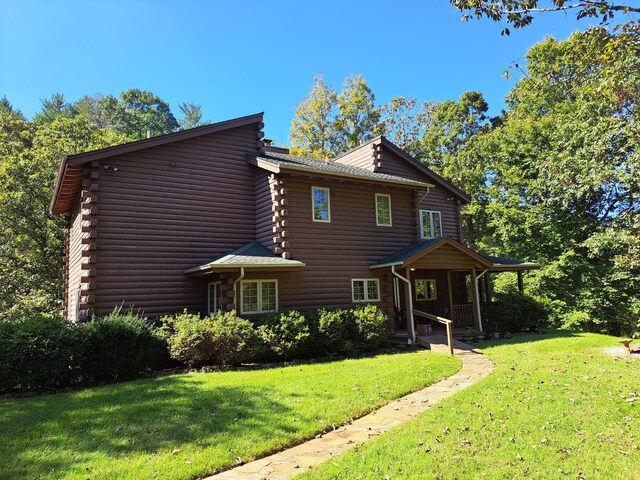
(190, 425)
(554, 407)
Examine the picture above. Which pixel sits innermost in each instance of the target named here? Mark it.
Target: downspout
(235, 289)
(412, 339)
(475, 286)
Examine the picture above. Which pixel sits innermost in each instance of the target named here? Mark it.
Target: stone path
(295, 460)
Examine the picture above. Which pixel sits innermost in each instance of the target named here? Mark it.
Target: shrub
(371, 325)
(36, 353)
(119, 345)
(288, 334)
(222, 338)
(513, 312)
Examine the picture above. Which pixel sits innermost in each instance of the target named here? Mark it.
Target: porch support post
(477, 320)
(450, 295)
(487, 284)
(520, 283)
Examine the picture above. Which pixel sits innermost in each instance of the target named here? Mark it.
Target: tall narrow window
(365, 290)
(426, 290)
(259, 296)
(430, 224)
(383, 210)
(321, 204)
(215, 297)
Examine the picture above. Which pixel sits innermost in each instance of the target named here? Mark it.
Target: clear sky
(240, 57)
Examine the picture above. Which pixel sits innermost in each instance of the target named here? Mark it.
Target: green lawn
(554, 407)
(184, 426)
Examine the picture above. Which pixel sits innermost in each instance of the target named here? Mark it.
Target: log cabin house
(216, 218)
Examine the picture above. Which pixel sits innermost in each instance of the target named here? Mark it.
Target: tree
(31, 246)
(6, 107)
(403, 121)
(54, 107)
(138, 112)
(89, 108)
(565, 178)
(519, 13)
(450, 146)
(191, 115)
(358, 117)
(312, 131)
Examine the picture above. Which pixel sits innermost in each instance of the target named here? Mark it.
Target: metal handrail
(447, 322)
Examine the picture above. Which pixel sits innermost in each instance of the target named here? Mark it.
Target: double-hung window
(258, 296)
(426, 290)
(430, 224)
(321, 202)
(383, 210)
(214, 303)
(365, 290)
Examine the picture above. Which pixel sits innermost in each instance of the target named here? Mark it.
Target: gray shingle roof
(505, 262)
(406, 252)
(284, 160)
(253, 254)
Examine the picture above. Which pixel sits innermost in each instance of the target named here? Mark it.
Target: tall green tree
(313, 132)
(191, 115)
(31, 240)
(137, 113)
(54, 107)
(565, 178)
(403, 121)
(358, 116)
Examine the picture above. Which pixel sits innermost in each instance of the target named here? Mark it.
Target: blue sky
(240, 57)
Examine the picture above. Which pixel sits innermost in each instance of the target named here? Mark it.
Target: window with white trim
(365, 290)
(258, 296)
(214, 302)
(383, 210)
(430, 224)
(321, 204)
(426, 289)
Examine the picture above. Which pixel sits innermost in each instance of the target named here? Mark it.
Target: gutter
(235, 289)
(475, 287)
(412, 339)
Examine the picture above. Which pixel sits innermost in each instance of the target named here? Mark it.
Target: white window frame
(390, 224)
(313, 204)
(426, 290)
(431, 213)
(219, 307)
(366, 290)
(259, 282)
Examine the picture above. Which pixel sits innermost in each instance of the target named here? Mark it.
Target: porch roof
(251, 255)
(411, 253)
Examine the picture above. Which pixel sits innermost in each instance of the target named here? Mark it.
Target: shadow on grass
(528, 337)
(155, 416)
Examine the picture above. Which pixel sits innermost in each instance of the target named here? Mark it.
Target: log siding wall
(168, 208)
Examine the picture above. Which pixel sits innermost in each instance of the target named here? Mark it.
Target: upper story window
(430, 224)
(321, 204)
(383, 210)
(259, 296)
(426, 290)
(365, 290)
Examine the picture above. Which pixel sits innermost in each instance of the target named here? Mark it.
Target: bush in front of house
(289, 334)
(514, 312)
(119, 345)
(221, 338)
(37, 353)
(337, 330)
(371, 325)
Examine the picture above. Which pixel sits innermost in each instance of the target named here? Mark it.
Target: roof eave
(266, 165)
(213, 267)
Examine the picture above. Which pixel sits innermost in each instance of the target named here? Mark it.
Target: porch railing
(447, 323)
(463, 314)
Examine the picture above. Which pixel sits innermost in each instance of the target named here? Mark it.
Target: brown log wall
(168, 208)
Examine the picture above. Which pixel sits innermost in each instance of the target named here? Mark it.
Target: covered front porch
(442, 281)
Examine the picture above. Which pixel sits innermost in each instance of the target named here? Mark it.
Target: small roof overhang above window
(253, 255)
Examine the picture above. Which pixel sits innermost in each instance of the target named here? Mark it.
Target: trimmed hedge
(513, 312)
(37, 353)
(45, 353)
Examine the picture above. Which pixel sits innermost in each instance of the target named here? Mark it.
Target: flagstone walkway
(295, 460)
